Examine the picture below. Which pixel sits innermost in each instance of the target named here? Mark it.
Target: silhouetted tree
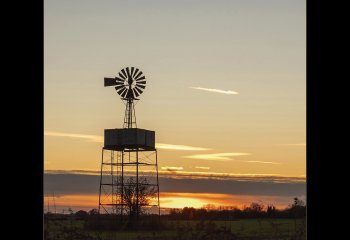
(255, 210)
(270, 211)
(256, 207)
(144, 192)
(93, 211)
(298, 208)
(188, 213)
(81, 214)
(298, 202)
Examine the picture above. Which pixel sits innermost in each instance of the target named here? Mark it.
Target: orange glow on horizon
(173, 200)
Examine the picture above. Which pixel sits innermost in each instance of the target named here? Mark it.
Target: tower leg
(112, 177)
(99, 195)
(157, 184)
(137, 189)
(122, 190)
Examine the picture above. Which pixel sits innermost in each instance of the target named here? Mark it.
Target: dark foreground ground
(239, 229)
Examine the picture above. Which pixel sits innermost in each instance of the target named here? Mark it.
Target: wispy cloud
(99, 139)
(263, 162)
(204, 168)
(179, 147)
(293, 144)
(229, 92)
(196, 175)
(172, 168)
(92, 138)
(217, 156)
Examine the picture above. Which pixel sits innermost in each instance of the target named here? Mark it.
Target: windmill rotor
(129, 84)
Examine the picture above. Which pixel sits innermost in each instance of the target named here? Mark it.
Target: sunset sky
(226, 95)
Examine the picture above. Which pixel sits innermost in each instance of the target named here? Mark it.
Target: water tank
(129, 138)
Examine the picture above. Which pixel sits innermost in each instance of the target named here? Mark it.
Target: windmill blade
(138, 75)
(136, 70)
(140, 82)
(141, 86)
(119, 79)
(138, 93)
(132, 71)
(109, 82)
(135, 93)
(128, 72)
(120, 91)
(119, 87)
(119, 83)
(141, 78)
(139, 89)
(124, 94)
(124, 73)
(121, 75)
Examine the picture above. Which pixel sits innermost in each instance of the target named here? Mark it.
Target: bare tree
(257, 207)
(143, 192)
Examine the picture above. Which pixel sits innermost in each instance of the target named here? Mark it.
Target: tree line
(255, 210)
(209, 212)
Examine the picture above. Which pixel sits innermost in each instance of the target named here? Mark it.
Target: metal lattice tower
(130, 116)
(129, 168)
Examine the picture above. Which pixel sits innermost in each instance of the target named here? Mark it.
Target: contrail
(229, 92)
(262, 162)
(217, 156)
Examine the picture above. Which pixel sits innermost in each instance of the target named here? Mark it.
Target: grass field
(240, 229)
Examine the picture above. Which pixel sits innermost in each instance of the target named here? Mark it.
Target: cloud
(293, 144)
(179, 147)
(99, 139)
(204, 168)
(262, 162)
(276, 178)
(223, 157)
(216, 156)
(172, 168)
(91, 138)
(229, 92)
(62, 184)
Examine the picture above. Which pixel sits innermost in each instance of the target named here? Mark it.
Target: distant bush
(81, 214)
